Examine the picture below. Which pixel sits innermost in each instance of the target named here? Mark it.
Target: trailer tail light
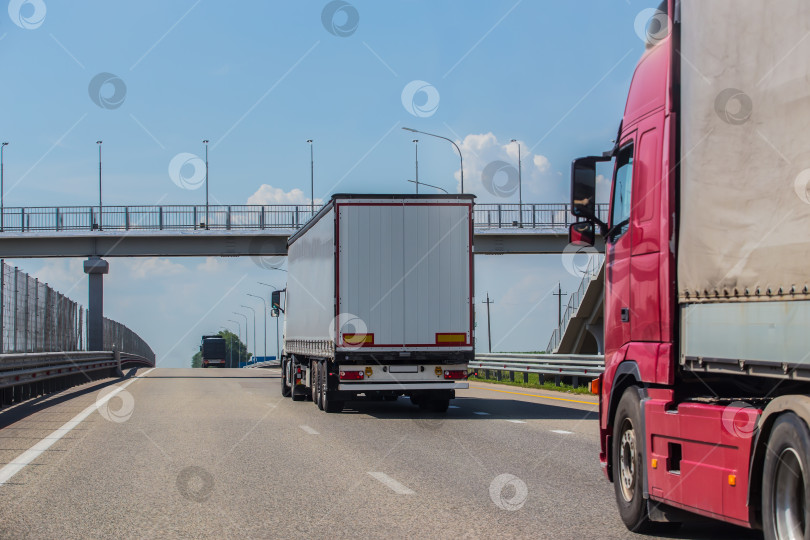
(455, 374)
(351, 375)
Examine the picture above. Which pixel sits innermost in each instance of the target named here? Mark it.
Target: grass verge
(534, 382)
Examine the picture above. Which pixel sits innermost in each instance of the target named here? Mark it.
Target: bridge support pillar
(96, 267)
(598, 333)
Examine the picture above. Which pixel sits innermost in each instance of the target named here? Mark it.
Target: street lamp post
(520, 185)
(205, 142)
(311, 177)
(247, 334)
(100, 207)
(416, 160)
(460, 157)
(254, 326)
(2, 190)
(238, 345)
(265, 320)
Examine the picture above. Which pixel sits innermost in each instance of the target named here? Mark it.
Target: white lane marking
(309, 430)
(516, 421)
(453, 407)
(392, 484)
(481, 413)
(7, 472)
(562, 431)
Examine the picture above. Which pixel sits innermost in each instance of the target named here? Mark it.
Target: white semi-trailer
(380, 301)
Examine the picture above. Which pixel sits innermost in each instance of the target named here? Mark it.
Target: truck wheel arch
(626, 375)
(798, 404)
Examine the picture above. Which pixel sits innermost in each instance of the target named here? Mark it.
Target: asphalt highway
(214, 453)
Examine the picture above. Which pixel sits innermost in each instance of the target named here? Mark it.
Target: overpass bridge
(240, 230)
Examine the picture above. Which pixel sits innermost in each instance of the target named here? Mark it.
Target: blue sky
(260, 78)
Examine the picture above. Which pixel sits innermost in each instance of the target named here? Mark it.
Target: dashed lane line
(392, 484)
(309, 430)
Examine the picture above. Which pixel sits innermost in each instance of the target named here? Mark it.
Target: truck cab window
(622, 189)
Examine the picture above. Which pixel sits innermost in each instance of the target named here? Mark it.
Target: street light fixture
(100, 207)
(520, 185)
(2, 190)
(254, 326)
(205, 142)
(265, 320)
(461, 159)
(428, 185)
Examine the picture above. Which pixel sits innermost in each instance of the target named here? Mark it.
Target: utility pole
(559, 294)
(489, 326)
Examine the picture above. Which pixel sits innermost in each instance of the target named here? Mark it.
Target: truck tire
(629, 462)
(330, 405)
(785, 486)
(285, 390)
(316, 384)
(298, 392)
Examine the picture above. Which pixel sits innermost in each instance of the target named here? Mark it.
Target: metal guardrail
(559, 366)
(27, 375)
(256, 217)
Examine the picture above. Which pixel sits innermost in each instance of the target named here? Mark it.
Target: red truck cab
(665, 444)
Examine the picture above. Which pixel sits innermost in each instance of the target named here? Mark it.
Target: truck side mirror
(275, 300)
(274, 313)
(583, 187)
(582, 233)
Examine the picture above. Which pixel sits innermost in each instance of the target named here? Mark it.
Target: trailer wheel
(628, 462)
(330, 405)
(285, 390)
(785, 487)
(316, 384)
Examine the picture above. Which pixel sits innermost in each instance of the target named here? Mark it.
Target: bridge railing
(36, 319)
(258, 217)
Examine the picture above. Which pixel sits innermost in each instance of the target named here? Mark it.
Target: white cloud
(483, 150)
(212, 265)
(267, 194)
(542, 163)
(154, 267)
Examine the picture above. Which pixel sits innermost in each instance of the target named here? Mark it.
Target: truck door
(618, 245)
(645, 232)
